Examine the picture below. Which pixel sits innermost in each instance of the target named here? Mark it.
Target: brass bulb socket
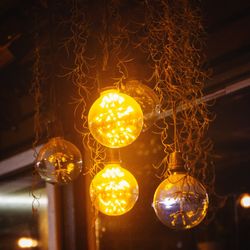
(176, 162)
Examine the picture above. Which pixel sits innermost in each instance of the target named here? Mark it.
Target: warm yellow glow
(27, 242)
(114, 190)
(115, 119)
(180, 201)
(245, 201)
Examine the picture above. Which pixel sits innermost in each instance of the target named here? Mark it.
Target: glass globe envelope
(115, 119)
(59, 161)
(114, 190)
(148, 100)
(180, 201)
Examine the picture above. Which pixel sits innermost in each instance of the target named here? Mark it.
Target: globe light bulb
(114, 190)
(59, 161)
(115, 119)
(147, 99)
(180, 201)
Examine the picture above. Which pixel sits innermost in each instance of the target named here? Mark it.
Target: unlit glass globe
(115, 119)
(114, 190)
(180, 201)
(59, 161)
(148, 100)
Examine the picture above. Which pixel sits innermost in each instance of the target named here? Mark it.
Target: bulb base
(113, 156)
(105, 81)
(176, 162)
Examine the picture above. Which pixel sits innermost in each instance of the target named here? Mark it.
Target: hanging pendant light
(180, 201)
(148, 100)
(114, 190)
(59, 161)
(115, 119)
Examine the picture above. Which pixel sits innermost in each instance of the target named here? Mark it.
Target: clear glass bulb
(180, 201)
(114, 190)
(115, 119)
(148, 100)
(59, 161)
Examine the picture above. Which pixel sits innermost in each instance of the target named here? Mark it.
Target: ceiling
(228, 55)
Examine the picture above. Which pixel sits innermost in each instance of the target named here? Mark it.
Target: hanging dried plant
(110, 41)
(174, 40)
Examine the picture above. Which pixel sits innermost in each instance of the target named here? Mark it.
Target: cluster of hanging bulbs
(180, 201)
(116, 120)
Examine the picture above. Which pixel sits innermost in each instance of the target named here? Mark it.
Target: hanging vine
(84, 74)
(174, 42)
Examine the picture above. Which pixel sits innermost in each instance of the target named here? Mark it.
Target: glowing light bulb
(59, 161)
(245, 201)
(115, 119)
(180, 201)
(114, 190)
(26, 242)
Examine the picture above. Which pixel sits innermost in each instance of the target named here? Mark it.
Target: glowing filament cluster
(114, 190)
(63, 164)
(115, 119)
(180, 201)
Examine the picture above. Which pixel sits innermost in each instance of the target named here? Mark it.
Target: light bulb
(148, 100)
(115, 119)
(114, 190)
(180, 201)
(59, 161)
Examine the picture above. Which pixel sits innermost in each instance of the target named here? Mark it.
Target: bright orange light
(27, 242)
(115, 119)
(114, 190)
(245, 201)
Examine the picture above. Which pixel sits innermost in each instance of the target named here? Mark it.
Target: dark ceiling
(228, 55)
